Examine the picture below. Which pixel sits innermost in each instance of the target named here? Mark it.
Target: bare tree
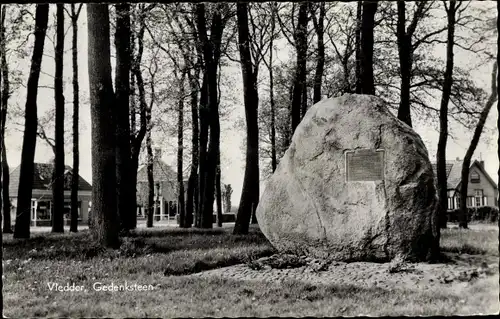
(74, 15)
(58, 172)
(405, 51)
(300, 40)
(149, 167)
(462, 217)
(498, 86)
(211, 49)
(250, 193)
(126, 210)
(443, 115)
(180, 150)
(137, 135)
(366, 48)
(320, 62)
(102, 100)
(22, 228)
(4, 99)
(359, 9)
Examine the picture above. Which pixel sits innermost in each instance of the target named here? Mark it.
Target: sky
(232, 137)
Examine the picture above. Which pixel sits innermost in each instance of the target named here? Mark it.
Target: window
(474, 177)
(67, 210)
(44, 210)
(450, 203)
(470, 203)
(478, 196)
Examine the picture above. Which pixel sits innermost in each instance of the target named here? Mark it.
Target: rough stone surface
(309, 208)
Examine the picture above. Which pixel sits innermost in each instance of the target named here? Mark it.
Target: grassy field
(155, 258)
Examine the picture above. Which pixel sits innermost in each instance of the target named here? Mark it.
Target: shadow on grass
(199, 249)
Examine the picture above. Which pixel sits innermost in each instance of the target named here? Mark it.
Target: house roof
(161, 172)
(42, 177)
(454, 172)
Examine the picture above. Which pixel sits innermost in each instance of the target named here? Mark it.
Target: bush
(226, 218)
(484, 214)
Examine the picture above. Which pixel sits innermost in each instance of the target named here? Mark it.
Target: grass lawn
(157, 258)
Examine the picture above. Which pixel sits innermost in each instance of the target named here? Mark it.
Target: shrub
(484, 213)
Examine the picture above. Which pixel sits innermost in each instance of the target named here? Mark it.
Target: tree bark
(274, 162)
(300, 71)
(250, 192)
(218, 193)
(76, 110)
(320, 62)
(203, 111)
(58, 174)
(150, 202)
(443, 119)
(359, 10)
(126, 211)
(102, 110)
(498, 102)
(211, 55)
(5, 94)
(192, 196)
(7, 225)
(23, 214)
(366, 47)
(180, 152)
(405, 63)
(462, 217)
(143, 110)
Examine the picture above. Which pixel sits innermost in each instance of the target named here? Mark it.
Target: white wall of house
(43, 198)
(480, 192)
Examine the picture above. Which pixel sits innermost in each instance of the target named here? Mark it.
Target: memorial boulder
(355, 184)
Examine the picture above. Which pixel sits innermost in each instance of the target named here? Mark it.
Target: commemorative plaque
(364, 165)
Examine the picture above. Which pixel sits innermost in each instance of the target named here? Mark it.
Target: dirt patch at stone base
(458, 272)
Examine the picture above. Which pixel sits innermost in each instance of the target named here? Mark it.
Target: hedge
(484, 213)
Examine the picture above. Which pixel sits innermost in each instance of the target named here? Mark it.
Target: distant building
(166, 189)
(481, 190)
(41, 201)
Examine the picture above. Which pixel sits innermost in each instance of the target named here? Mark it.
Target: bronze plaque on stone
(364, 165)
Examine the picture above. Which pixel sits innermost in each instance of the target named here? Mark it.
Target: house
(481, 190)
(165, 189)
(41, 196)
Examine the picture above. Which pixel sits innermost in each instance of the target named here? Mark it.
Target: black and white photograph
(249, 159)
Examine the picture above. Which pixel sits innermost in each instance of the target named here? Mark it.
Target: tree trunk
(218, 193)
(498, 102)
(271, 94)
(151, 182)
(211, 55)
(443, 120)
(76, 110)
(250, 192)
(102, 101)
(405, 63)
(23, 215)
(143, 110)
(7, 225)
(126, 211)
(462, 217)
(300, 71)
(366, 47)
(203, 148)
(320, 63)
(58, 175)
(303, 105)
(180, 151)
(192, 196)
(359, 10)
(4, 75)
